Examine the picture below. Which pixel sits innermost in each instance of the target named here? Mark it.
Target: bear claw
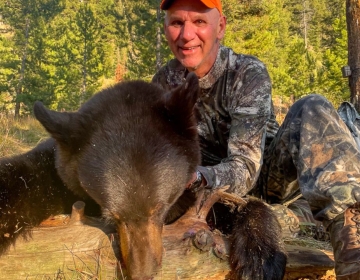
(204, 240)
(220, 249)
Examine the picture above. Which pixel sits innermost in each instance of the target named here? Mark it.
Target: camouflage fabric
(351, 118)
(313, 152)
(235, 117)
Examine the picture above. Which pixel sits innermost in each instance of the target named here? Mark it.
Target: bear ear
(56, 123)
(180, 101)
(179, 105)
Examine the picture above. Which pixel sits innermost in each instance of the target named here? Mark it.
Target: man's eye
(177, 23)
(200, 22)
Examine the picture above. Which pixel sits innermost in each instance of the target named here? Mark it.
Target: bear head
(132, 148)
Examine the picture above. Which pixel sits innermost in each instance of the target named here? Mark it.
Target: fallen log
(81, 247)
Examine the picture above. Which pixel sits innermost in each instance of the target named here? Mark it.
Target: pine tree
(331, 83)
(145, 53)
(28, 19)
(63, 51)
(8, 66)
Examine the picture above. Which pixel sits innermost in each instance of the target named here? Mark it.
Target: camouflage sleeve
(249, 105)
(250, 109)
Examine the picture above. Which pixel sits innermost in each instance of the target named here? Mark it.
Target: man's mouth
(189, 48)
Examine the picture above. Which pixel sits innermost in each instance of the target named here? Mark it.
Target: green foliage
(333, 86)
(66, 50)
(302, 42)
(61, 51)
(82, 68)
(144, 21)
(8, 65)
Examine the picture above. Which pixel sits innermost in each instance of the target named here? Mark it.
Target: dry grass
(281, 107)
(306, 241)
(19, 136)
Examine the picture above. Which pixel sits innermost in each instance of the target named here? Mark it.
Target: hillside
(18, 136)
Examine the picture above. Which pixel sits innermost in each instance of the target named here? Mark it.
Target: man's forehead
(187, 11)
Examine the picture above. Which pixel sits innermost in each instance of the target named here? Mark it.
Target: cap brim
(165, 4)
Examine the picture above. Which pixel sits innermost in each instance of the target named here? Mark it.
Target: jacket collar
(216, 70)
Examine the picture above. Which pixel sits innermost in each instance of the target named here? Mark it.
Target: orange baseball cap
(165, 4)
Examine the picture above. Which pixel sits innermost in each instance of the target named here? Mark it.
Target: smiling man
(235, 107)
(194, 32)
(241, 142)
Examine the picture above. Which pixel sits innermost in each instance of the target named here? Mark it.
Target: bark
(84, 67)
(158, 39)
(80, 247)
(353, 26)
(22, 69)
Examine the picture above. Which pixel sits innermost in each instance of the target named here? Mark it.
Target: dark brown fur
(257, 250)
(131, 148)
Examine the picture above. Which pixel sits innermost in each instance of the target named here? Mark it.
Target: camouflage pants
(313, 153)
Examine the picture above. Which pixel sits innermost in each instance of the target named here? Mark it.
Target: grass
(19, 136)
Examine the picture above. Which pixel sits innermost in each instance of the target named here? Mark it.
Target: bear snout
(141, 249)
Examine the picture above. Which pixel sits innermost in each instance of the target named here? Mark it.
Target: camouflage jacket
(235, 117)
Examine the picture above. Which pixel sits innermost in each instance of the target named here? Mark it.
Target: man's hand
(196, 182)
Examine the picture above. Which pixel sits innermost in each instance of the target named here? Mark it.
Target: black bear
(131, 148)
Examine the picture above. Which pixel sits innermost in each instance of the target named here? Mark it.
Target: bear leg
(256, 247)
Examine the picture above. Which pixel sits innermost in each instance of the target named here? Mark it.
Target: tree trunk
(84, 64)
(305, 22)
(158, 39)
(80, 247)
(22, 69)
(353, 26)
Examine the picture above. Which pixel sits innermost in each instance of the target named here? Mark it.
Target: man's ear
(165, 30)
(221, 27)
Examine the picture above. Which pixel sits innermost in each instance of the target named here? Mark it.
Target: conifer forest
(63, 51)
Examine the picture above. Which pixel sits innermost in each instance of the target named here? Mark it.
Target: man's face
(193, 32)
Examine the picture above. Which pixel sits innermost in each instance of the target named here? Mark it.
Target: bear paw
(204, 240)
(221, 248)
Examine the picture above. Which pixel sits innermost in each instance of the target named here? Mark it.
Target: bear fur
(131, 149)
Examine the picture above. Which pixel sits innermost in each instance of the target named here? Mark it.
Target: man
(242, 145)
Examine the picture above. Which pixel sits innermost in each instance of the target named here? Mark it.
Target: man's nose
(188, 32)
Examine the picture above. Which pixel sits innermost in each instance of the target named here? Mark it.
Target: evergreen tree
(8, 67)
(89, 39)
(145, 54)
(62, 51)
(331, 83)
(28, 19)
(261, 29)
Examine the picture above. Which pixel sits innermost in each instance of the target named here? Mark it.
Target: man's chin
(191, 66)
